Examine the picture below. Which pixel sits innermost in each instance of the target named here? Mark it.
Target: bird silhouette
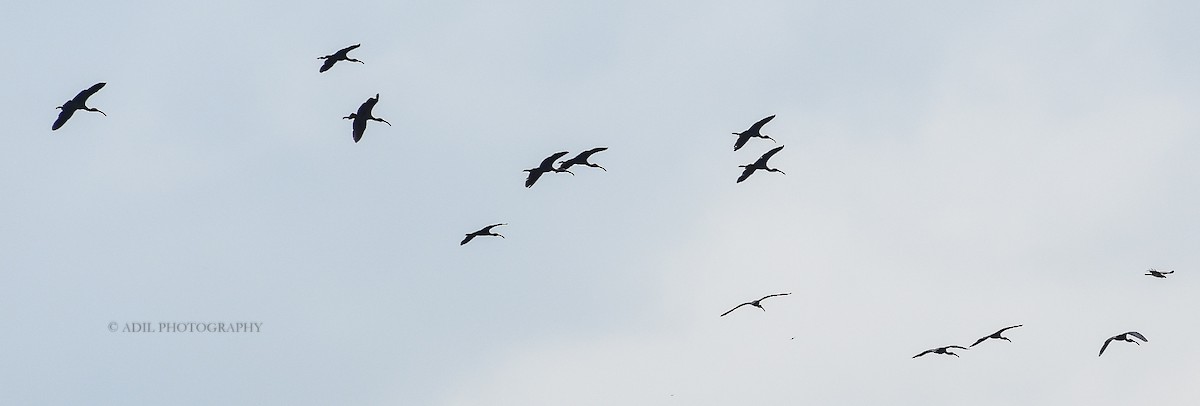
(756, 303)
(77, 103)
(753, 132)
(547, 165)
(482, 232)
(997, 335)
(339, 56)
(364, 113)
(582, 159)
(1157, 273)
(1123, 337)
(761, 163)
(941, 350)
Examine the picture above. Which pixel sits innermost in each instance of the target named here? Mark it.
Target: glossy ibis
(1157, 273)
(941, 350)
(482, 232)
(997, 335)
(756, 303)
(582, 159)
(364, 113)
(78, 103)
(339, 56)
(761, 163)
(1123, 337)
(546, 166)
(753, 132)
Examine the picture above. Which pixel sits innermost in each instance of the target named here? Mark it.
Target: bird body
(77, 103)
(755, 303)
(1123, 337)
(482, 232)
(761, 163)
(362, 115)
(582, 159)
(753, 132)
(547, 165)
(1157, 273)
(997, 335)
(941, 350)
(340, 55)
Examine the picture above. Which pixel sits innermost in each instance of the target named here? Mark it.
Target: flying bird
(1124, 337)
(997, 335)
(78, 103)
(761, 163)
(482, 232)
(339, 56)
(364, 113)
(753, 132)
(546, 166)
(756, 303)
(582, 159)
(941, 350)
(1157, 273)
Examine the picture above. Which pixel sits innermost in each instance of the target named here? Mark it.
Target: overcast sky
(951, 169)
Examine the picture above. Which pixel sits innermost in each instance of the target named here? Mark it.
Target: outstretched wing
(741, 140)
(467, 240)
(777, 294)
(343, 51)
(533, 177)
(328, 64)
(86, 93)
(922, 353)
(735, 308)
(955, 346)
(360, 126)
(488, 229)
(63, 116)
(365, 108)
(1109, 340)
(980, 341)
(1138, 335)
(588, 154)
(745, 173)
(757, 127)
(548, 163)
(762, 161)
(1008, 328)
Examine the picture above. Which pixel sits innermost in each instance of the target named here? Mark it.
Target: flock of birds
(364, 114)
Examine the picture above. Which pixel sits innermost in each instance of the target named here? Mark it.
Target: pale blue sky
(951, 169)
